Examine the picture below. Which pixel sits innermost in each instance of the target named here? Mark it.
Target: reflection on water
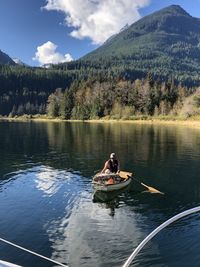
(47, 203)
(93, 235)
(50, 180)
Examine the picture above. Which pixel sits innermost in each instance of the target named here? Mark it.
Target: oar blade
(152, 189)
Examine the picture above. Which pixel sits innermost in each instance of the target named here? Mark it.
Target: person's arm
(118, 168)
(105, 167)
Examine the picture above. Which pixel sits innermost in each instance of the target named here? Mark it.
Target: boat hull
(111, 187)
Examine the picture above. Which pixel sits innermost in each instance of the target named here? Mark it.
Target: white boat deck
(7, 264)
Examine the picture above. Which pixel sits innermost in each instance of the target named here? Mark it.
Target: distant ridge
(5, 59)
(19, 62)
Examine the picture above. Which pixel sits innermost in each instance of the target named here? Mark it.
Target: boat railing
(156, 231)
(32, 252)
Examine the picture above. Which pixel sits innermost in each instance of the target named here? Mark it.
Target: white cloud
(97, 19)
(46, 54)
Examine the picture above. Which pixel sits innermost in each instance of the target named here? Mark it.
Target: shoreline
(192, 122)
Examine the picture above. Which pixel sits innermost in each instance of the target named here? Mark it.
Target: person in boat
(112, 165)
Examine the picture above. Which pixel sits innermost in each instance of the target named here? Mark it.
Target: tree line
(117, 99)
(80, 94)
(26, 89)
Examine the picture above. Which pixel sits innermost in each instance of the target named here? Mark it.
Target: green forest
(121, 99)
(25, 90)
(89, 95)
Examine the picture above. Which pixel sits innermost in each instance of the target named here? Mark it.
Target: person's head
(112, 156)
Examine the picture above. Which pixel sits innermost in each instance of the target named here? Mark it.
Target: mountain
(5, 59)
(166, 43)
(19, 62)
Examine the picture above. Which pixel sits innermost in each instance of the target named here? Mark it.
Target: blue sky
(39, 31)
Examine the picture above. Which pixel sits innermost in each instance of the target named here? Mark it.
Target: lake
(48, 205)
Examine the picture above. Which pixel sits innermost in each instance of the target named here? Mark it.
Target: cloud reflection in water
(89, 236)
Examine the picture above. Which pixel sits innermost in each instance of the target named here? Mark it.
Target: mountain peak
(169, 20)
(166, 42)
(174, 10)
(19, 62)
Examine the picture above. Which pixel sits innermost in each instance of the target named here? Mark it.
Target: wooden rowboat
(112, 181)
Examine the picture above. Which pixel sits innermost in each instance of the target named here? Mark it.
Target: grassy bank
(140, 119)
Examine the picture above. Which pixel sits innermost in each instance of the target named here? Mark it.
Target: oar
(125, 175)
(150, 189)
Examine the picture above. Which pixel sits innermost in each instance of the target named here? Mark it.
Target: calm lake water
(47, 203)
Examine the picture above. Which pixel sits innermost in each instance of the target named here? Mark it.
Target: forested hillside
(164, 43)
(26, 90)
